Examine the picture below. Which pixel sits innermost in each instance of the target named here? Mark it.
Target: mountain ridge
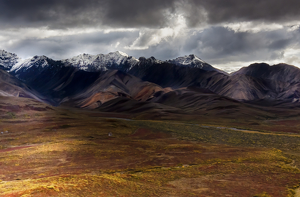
(7, 60)
(88, 81)
(101, 62)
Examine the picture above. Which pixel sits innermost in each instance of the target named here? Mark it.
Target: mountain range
(121, 83)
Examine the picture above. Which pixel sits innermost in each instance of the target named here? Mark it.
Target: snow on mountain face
(82, 61)
(191, 61)
(38, 61)
(101, 62)
(7, 60)
(113, 60)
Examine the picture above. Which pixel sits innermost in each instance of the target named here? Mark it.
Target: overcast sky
(228, 34)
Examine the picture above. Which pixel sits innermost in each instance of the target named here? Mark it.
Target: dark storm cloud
(220, 11)
(51, 13)
(254, 10)
(74, 13)
(137, 13)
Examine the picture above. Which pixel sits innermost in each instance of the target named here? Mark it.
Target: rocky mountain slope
(12, 87)
(73, 87)
(280, 81)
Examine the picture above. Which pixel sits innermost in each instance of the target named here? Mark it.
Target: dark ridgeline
(117, 82)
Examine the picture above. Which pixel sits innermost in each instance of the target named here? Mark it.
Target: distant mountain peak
(37, 61)
(7, 60)
(262, 70)
(149, 61)
(39, 58)
(122, 53)
(101, 61)
(194, 57)
(188, 60)
(194, 62)
(5, 53)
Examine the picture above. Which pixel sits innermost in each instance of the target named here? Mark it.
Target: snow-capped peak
(122, 53)
(6, 54)
(101, 61)
(39, 61)
(188, 60)
(195, 58)
(191, 61)
(7, 60)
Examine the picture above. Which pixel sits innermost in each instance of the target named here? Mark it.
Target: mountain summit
(191, 61)
(102, 62)
(7, 60)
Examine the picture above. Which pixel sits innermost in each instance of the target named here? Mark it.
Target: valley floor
(64, 152)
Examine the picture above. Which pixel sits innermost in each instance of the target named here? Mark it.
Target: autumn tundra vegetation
(59, 151)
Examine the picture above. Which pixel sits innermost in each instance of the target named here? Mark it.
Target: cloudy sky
(227, 34)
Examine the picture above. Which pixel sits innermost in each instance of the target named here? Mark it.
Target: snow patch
(122, 53)
(40, 61)
(101, 61)
(188, 60)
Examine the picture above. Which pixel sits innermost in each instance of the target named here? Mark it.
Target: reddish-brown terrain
(56, 151)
